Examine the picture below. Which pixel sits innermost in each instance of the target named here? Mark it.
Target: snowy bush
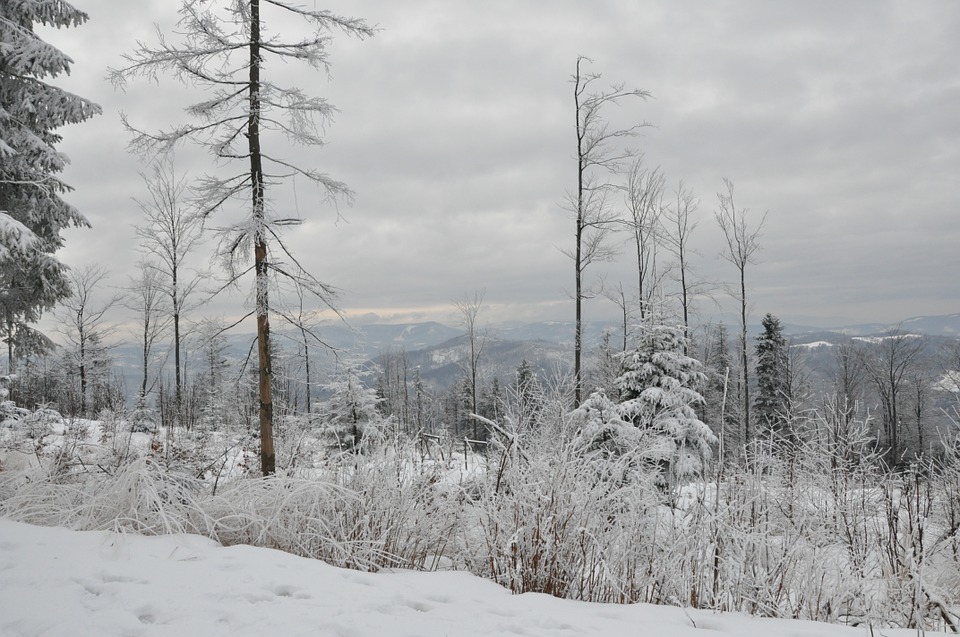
(10, 414)
(570, 507)
(566, 512)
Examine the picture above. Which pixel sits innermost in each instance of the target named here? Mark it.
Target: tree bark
(744, 359)
(578, 257)
(176, 347)
(267, 455)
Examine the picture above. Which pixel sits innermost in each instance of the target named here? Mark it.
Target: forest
(668, 457)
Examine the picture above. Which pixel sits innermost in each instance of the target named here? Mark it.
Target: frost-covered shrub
(368, 511)
(567, 505)
(401, 512)
(38, 424)
(566, 511)
(10, 414)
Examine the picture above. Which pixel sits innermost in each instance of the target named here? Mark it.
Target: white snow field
(60, 583)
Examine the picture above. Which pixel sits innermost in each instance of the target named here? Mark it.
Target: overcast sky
(841, 119)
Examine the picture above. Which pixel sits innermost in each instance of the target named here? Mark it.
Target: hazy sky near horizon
(455, 129)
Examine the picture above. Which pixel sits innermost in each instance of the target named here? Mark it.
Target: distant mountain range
(374, 339)
(437, 350)
(947, 325)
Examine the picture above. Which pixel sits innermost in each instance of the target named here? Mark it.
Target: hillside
(437, 350)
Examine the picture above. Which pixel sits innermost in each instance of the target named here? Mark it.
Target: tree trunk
(744, 358)
(641, 275)
(178, 393)
(306, 360)
(83, 377)
(267, 456)
(685, 301)
(11, 361)
(146, 361)
(578, 257)
(894, 416)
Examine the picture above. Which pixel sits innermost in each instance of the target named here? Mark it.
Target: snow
(949, 381)
(15, 238)
(879, 339)
(814, 344)
(55, 582)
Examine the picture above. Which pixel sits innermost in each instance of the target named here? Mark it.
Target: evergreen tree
(37, 383)
(528, 395)
(772, 404)
(658, 391)
(217, 395)
(32, 210)
(603, 428)
(107, 392)
(421, 401)
(351, 416)
(491, 404)
(456, 401)
(608, 365)
(721, 409)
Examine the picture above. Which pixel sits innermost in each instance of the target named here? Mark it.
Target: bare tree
(224, 51)
(469, 309)
(598, 155)
(743, 243)
(849, 374)
(889, 365)
(619, 298)
(303, 320)
(393, 385)
(144, 293)
(83, 324)
(949, 359)
(920, 393)
(170, 234)
(644, 201)
(678, 225)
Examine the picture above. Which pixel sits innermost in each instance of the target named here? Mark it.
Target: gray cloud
(455, 131)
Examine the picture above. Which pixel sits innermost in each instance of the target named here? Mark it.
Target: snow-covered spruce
(654, 420)
(32, 211)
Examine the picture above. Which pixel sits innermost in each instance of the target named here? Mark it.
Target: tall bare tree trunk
(744, 358)
(598, 155)
(268, 458)
(306, 361)
(83, 376)
(742, 245)
(11, 361)
(578, 330)
(176, 348)
(578, 257)
(238, 106)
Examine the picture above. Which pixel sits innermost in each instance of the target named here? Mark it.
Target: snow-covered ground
(814, 344)
(60, 583)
